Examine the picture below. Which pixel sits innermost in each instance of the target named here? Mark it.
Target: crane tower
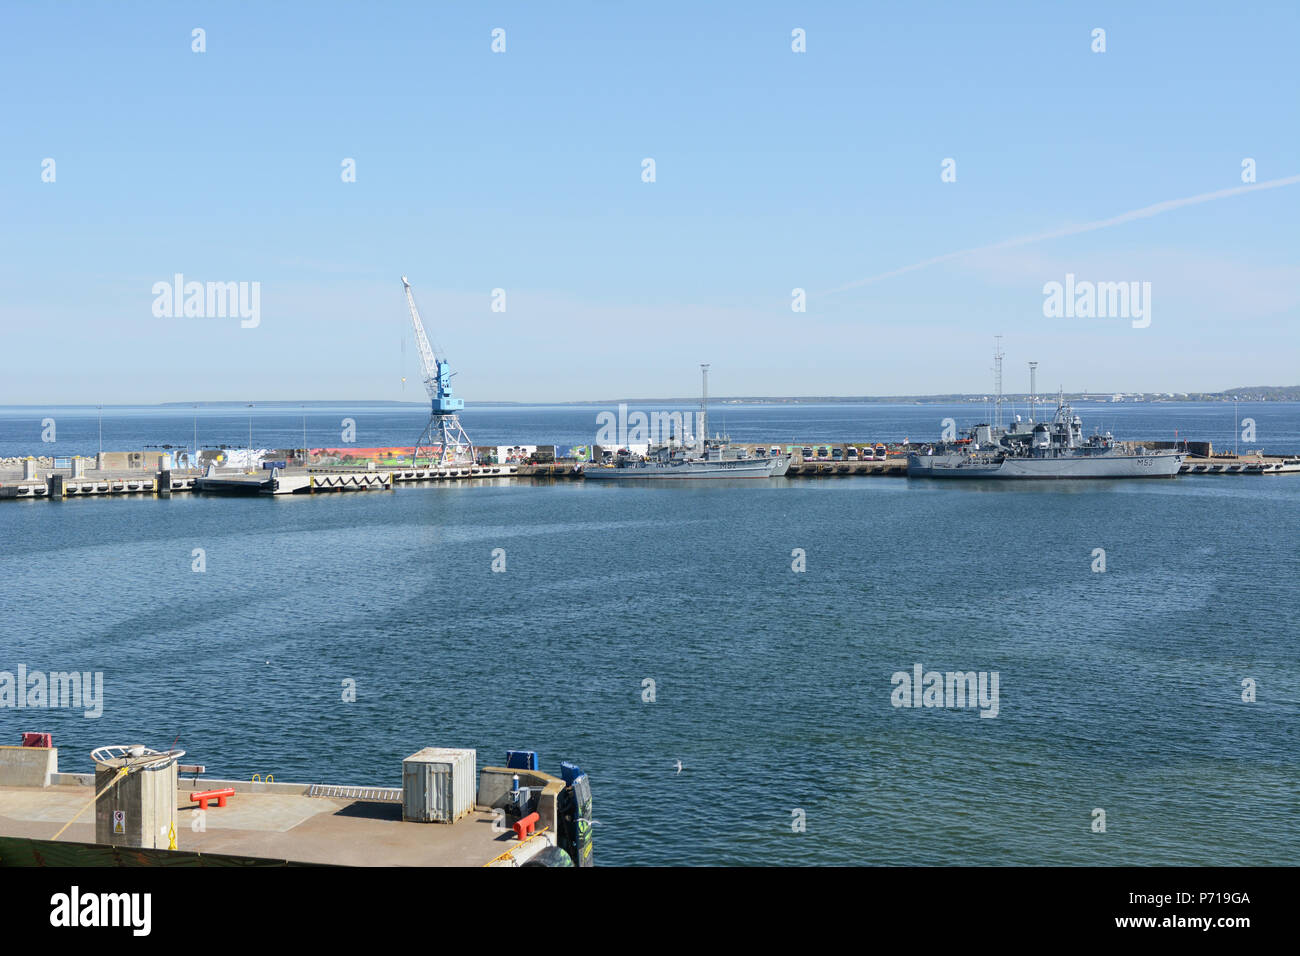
(444, 440)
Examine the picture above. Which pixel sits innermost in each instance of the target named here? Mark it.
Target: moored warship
(1056, 449)
(705, 458)
(677, 462)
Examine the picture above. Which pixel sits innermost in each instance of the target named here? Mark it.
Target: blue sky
(522, 171)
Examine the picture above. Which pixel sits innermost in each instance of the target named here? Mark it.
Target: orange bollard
(524, 828)
(203, 796)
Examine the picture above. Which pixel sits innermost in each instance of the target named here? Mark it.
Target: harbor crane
(444, 440)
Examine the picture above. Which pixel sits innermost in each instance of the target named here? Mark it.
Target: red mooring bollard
(524, 827)
(202, 797)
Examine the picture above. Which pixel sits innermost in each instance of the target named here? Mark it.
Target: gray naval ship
(705, 458)
(677, 461)
(1056, 449)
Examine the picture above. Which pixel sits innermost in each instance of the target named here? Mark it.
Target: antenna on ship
(997, 381)
(704, 406)
(1033, 390)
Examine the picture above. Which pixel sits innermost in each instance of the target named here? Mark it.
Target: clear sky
(522, 171)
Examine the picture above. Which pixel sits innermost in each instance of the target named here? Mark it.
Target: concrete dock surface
(274, 825)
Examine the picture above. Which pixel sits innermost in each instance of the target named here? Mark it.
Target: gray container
(438, 785)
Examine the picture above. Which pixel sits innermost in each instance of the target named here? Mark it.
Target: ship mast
(997, 381)
(1033, 390)
(704, 405)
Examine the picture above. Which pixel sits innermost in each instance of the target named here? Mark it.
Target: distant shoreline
(1252, 395)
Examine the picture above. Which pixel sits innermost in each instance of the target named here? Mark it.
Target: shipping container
(439, 785)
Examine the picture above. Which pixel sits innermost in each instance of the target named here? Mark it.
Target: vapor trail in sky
(1146, 212)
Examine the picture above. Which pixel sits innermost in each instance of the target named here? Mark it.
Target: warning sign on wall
(119, 821)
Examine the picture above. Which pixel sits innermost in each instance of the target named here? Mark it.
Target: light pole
(250, 438)
(101, 433)
(195, 459)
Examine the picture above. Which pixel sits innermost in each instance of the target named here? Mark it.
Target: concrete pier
(29, 481)
(1241, 465)
(263, 823)
(820, 468)
(28, 766)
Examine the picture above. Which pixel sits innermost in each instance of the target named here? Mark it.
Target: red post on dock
(202, 797)
(524, 828)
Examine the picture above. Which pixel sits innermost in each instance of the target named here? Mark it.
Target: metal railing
(372, 794)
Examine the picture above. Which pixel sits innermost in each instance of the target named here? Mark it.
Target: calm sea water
(1118, 690)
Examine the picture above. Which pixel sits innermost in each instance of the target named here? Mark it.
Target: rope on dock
(109, 786)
